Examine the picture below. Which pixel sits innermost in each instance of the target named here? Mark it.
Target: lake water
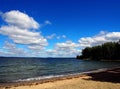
(25, 69)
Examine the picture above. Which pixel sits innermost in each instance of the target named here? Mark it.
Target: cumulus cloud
(20, 20)
(36, 47)
(14, 30)
(99, 39)
(10, 49)
(19, 27)
(22, 36)
(66, 49)
(113, 36)
(67, 44)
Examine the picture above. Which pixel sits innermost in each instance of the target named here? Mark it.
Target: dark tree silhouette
(106, 51)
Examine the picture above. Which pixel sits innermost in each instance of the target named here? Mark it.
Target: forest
(106, 51)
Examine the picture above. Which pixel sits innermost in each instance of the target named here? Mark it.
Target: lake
(26, 69)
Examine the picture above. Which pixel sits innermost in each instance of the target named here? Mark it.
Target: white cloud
(114, 36)
(19, 30)
(51, 52)
(60, 37)
(23, 36)
(51, 36)
(20, 20)
(68, 44)
(36, 47)
(55, 36)
(10, 49)
(14, 30)
(99, 39)
(67, 49)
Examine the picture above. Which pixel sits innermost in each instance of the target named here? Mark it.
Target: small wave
(39, 78)
(57, 76)
(47, 77)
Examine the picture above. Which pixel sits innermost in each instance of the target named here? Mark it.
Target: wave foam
(39, 78)
(57, 76)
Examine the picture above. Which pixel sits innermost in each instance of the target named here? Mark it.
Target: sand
(108, 79)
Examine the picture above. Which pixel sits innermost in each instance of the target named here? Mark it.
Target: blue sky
(56, 28)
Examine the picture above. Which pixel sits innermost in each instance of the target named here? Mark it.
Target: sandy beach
(100, 79)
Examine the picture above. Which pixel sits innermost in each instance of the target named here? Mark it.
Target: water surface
(18, 69)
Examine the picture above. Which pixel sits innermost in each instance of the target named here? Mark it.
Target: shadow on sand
(110, 75)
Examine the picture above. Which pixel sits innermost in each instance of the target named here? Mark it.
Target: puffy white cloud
(10, 49)
(67, 49)
(36, 47)
(20, 20)
(51, 52)
(114, 36)
(23, 36)
(14, 30)
(19, 30)
(85, 41)
(67, 44)
(99, 39)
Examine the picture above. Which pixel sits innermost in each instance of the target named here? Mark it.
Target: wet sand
(98, 79)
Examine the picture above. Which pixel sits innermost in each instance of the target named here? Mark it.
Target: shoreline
(55, 79)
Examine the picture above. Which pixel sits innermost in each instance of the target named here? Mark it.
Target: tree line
(106, 51)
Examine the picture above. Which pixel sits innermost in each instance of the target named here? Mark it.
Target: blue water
(18, 69)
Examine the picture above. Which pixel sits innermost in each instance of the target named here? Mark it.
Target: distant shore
(99, 79)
